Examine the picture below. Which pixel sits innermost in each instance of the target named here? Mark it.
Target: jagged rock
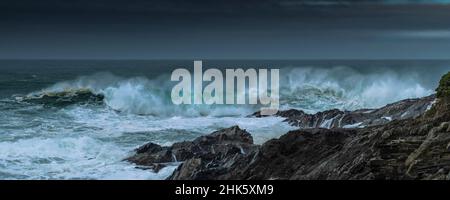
(149, 147)
(412, 149)
(215, 146)
(295, 154)
(415, 147)
(335, 118)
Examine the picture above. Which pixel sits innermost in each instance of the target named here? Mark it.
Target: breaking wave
(64, 98)
(317, 89)
(307, 88)
(95, 121)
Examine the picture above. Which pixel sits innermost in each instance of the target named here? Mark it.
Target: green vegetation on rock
(444, 86)
(443, 94)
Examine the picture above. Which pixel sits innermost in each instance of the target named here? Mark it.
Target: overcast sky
(219, 29)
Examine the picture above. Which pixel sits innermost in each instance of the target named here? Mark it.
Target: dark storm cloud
(137, 6)
(223, 29)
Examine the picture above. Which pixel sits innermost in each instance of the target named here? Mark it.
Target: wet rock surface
(406, 149)
(413, 144)
(417, 148)
(335, 118)
(209, 155)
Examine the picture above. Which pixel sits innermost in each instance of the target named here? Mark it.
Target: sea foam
(306, 88)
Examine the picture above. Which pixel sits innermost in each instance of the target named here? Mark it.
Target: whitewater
(80, 120)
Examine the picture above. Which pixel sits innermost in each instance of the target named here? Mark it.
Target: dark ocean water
(86, 140)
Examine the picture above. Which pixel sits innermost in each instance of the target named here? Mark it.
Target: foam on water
(89, 141)
(316, 89)
(113, 124)
(68, 158)
(307, 88)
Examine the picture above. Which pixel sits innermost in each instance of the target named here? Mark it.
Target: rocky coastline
(406, 140)
(405, 109)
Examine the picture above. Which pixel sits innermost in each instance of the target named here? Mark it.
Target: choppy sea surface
(87, 137)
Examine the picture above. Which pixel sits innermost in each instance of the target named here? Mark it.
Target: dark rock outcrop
(405, 149)
(335, 118)
(444, 86)
(209, 155)
(415, 147)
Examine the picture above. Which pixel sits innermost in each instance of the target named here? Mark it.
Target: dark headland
(409, 139)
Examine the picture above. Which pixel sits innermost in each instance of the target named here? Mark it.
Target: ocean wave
(307, 88)
(137, 95)
(317, 89)
(63, 98)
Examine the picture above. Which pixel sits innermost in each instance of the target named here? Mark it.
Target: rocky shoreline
(409, 139)
(405, 109)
